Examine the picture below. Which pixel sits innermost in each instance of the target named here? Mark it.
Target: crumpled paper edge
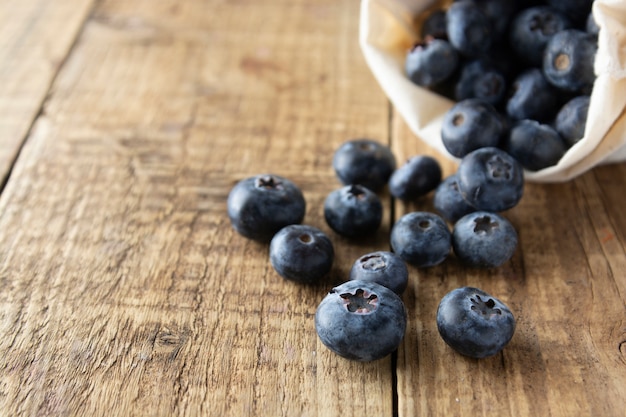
(387, 31)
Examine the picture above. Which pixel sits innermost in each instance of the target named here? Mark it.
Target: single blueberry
(474, 323)
(353, 211)
(381, 267)
(534, 145)
(301, 253)
(430, 62)
(490, 179)
(571, 120)
(568, 61)
(531, 30)
(469, 125)
(469, 29)
(449, 202)
(421, 239)
(490, 87)
(483, 239)
(591, 25)
(260, 206)
(435, 25)
(532, 97)
(362, 321)
(365, 162)
(417, 177)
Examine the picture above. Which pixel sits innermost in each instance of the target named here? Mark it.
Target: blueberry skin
(489, 179)
(431, 62)
(417, 177)
(469, 125)
(365, 162)
(435, 25)
(421, 239)
(591, 26)
(490, 87)
(449, 202)
(353, 211)
(469, 29)
(261, 205)
(568, 60)
(301, 253)
(474, 323)
(532, 97)
(499, 14)
(484, 240)
(534, 145)
(361, 321)
(571, 120)
(575, 10)
(531, 29)
(381, 267)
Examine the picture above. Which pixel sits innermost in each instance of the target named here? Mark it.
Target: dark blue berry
(449, 202)
(490, 179)
(301, 253)
(534, 145)
(417, 177)
(531, 30)
(474, 323)
(353, 211)
(575, 10)
(568, 61)
(435, 25)
(469, 125)
(365, 162)
(260, 206)
(421, 239)
(532, 97)
(571, 120)
(362, 321)
(490, 87)
(384, 268)
(469, 29)
(430, 62)
(483, 239)
(591, 26)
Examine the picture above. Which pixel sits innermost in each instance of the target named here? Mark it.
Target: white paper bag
(388, 28)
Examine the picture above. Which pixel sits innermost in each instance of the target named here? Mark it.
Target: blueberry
(534, 145)
(384, 268)
(260, 206)
(571, 120)
(417, 177)
(531, 30)
(474, 323)
(362, 321)
(353, 211)
(490, 87)
(469, 29)
(449, 202)
(532, 97)
(568, 61)
(490, 179)
(301, 253)
(435, 25)
(499, 13)
(431, 61)
(575, 10)
(365, 162)
(483, 239)
(421, 239)
(591, 26)
(469, 125)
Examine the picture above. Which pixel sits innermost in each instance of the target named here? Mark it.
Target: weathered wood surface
(124, 290)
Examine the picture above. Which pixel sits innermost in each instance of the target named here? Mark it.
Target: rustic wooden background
(124, 291)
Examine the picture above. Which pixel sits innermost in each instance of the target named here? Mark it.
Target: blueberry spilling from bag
(531, 62)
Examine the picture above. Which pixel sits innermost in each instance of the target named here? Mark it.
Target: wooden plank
(35, 37)
(566, 286)
(124, 290)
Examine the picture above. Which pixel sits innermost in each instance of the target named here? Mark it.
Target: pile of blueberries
(521, 72)
(364, 318)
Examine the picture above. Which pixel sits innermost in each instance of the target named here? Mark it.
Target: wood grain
(124, 290)
(35, 38)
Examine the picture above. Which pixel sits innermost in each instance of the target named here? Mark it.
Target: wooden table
(124, 291)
